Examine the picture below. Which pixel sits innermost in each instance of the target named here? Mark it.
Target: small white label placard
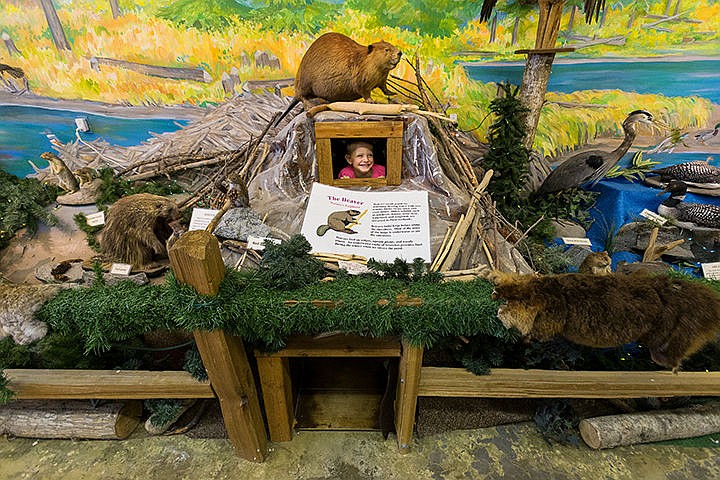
(711, 270)
(258, 243)
(577, 241)
(353, 268)
(650, 215)
(201, 218)
(120, 269)
(95, 219)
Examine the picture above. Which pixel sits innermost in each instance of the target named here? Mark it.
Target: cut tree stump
(70, 419)
(617, 430)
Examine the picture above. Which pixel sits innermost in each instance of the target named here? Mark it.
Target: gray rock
(699, 246)
(87, 195)
(111, 279)
(566, 228)
(69, 271)
(239, 223)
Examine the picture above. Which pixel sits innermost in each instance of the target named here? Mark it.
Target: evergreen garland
(163, 410)
(288, 265)
(22, 204)
(5, 393)
(193, 364)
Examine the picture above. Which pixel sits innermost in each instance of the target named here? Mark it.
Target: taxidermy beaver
(18, 304)
(672, 317)
(336, 68)
(137, 227)
(598, 263)
(339, 222)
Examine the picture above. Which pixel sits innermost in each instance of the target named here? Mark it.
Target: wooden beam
(56, 384)
(407, 392)
(511, 383)
(337, 346)
(276, 386)
(195, 259)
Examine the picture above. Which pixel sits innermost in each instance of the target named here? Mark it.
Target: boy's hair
(352, 146)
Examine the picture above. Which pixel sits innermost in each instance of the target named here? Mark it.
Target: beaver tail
(322, 230)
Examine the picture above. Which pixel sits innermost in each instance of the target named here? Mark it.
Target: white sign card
(650, 215)
(120, 269)
(95, 219)
(258, 243)
(577, 241)
(711, 270)
(201, 218)
(379, 225)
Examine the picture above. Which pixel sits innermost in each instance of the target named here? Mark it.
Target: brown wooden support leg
(407, 392)
(277, 396)
(196, 261)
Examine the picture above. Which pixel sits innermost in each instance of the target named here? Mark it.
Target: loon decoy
(693, 216)
(703, 136)
(697, 173)
(593, 165)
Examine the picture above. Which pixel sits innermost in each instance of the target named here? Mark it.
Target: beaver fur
(137, 227)
(672, 317)
(598, 263)
(336, 68)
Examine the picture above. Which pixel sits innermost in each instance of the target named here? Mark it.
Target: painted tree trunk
(58, 34)
(10, 45)
(538, 65)
(115, 8)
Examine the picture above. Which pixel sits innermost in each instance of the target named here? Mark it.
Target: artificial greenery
(556, 421)
(114, 188)
(22, 204)
(90, 231)
(636, 171)
(401, 270)
(193, 364)
(100, 316)
(163, 410)
(5, 393)
(507, 156)
(287, 265)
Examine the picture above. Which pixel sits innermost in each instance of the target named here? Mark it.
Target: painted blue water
(672, 79)
(24, 133)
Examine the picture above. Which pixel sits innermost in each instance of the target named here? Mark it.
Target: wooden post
(277, 396)
(407, 393)
(196, 261)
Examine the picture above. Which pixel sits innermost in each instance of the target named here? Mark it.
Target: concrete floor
(515, 452)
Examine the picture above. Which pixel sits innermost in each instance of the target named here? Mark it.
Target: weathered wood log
(70, 419)
(10, 45)
(178, 73)
(629, 429)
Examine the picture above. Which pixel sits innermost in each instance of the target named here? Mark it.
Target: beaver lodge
(228, 153)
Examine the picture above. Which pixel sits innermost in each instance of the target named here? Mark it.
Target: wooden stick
(649, 251)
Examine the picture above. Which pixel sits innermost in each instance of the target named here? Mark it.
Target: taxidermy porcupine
(672, 317)
(137, 227)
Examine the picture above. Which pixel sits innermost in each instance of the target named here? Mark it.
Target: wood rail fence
(196, 261)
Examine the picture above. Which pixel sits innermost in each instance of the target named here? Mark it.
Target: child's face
(361, 160)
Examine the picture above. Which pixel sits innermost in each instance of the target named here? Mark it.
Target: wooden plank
(195, 259)
(276, 386)
(323, 151)
(338, 410)
(511, 383)
(394, 161)
(407, 393)
(355, 182)
(338, 346)
(365, 129)
(230, 375)
(59, 384)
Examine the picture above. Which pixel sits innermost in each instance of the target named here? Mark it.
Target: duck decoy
(693, 216)
(703, 137)
(698, 173)
(593, 165)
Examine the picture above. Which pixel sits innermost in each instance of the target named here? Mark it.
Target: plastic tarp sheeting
(280, 192)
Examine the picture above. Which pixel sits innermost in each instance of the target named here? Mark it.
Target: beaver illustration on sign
(339, 222)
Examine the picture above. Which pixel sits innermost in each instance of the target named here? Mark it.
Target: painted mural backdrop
(199, 52)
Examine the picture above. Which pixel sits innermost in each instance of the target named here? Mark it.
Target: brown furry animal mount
(136, 229)
(672, 317)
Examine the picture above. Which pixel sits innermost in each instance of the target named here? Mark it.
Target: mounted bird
(698, 173)
(593, 165)
(704, 136)
(693, 216)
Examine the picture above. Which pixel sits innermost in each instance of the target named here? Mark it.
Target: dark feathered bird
(693, 216)
(592, 165)
(698, 173)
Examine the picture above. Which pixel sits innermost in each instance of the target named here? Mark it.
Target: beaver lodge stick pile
(231, 145)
